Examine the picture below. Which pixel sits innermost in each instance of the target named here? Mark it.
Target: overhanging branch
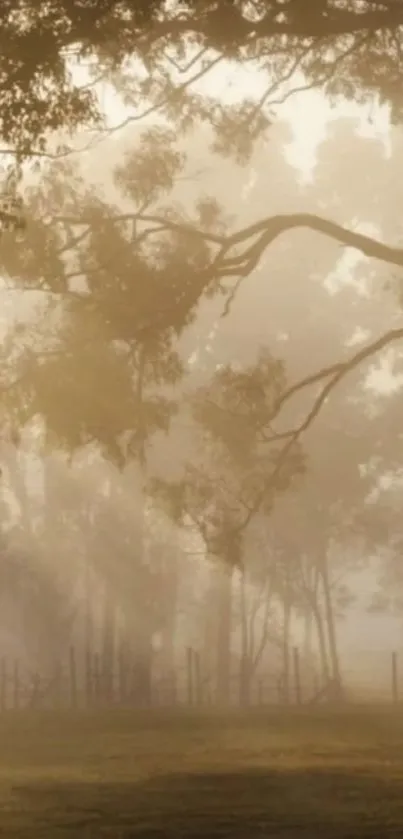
(256, 238)
(250, 243)
(337, 371)
(263, 233)
(334, 374)
(315, 22)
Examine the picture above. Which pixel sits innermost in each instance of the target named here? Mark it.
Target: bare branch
(262, 234)
(197, 57)
(162, 223)
(312, 85)
(268, 230)
(176, 90)
(336, 373)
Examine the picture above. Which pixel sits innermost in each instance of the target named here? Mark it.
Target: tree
(71, 574)
(38, 599)
(110, 325)
(230, 479)
(103, 274)
(333, 46)
(357, 35)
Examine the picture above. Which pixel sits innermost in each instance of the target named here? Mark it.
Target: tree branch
(313, 24)
(161, 224)
(268, 230)
(262, 234)
(336, 373)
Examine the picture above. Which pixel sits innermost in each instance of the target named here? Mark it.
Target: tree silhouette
(350, 50)
(103, 363)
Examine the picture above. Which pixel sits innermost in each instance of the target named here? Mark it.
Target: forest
(201, 359)
(201, 588)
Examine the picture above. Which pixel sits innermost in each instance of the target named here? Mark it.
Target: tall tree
(232, 478)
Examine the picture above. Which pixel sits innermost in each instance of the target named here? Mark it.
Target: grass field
(126, 775)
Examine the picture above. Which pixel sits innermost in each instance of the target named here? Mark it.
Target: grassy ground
(276, 776)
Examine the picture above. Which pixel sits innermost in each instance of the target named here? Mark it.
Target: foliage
(231, 478)
(117, 288)
(121, 282)
(349, 49)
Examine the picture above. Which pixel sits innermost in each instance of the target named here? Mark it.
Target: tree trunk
(287, 609)
(307, 642)
(223, 661)
(330, 622)
(245, 661)
(143, 606)
(168, 656)
(142, 670)
(15, 461)
(245, 681)
(323, 652)
(171, 583)
(141, 624)
(108, 645)
(124, 655)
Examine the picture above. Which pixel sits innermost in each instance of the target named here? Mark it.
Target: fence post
(395, 681)
(297, 676)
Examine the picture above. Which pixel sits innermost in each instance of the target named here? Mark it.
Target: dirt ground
(121, 774)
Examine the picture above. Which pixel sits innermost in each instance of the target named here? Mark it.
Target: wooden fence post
(395, 680)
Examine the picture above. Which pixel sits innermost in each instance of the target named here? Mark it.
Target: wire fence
(83, 682)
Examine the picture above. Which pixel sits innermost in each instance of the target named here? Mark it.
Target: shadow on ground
(288, 805)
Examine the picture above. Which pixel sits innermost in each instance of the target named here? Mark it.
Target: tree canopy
(352, 49)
